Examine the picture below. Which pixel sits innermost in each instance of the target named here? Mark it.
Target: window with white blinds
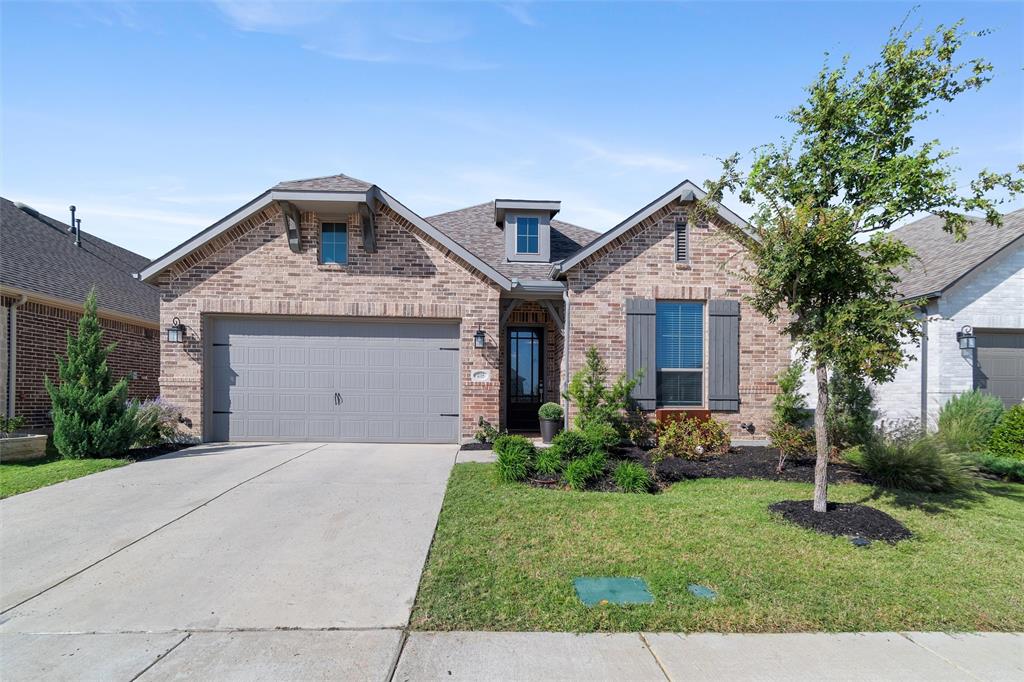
(679, 351)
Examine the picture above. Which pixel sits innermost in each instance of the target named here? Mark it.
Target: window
(679, 350)
(333, 243)
(527, 235)
(682, 243)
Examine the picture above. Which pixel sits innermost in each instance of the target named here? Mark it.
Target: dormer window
(333, 243)
(527, 235)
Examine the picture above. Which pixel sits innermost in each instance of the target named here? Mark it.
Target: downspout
(12, 350)
(565, 358)
(924, 370)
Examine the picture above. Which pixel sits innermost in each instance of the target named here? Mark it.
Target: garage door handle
(448, 415)
(337, 399)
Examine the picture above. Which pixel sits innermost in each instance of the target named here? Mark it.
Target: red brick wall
(642, 265)
(251, 270)
(42, 333)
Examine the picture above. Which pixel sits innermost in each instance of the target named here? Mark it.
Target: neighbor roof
(474, 228)
(942, 261)
(39, 255)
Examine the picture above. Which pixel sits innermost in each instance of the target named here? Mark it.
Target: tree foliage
(819, 257)
(594, 400)
(91, 417)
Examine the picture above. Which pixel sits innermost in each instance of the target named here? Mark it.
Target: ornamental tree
(819, 255)
(91, 416)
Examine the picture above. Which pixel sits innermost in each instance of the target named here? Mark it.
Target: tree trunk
(821, 442)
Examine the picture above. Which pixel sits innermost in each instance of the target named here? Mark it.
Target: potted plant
(550, 420)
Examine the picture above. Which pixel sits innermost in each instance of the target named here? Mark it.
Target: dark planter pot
(549, 429)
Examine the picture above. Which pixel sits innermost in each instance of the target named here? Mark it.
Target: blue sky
(156, 119)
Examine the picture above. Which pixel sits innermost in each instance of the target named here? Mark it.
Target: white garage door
(301, 379)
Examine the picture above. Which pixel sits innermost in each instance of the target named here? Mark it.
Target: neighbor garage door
(1000, 369)
(295, 379)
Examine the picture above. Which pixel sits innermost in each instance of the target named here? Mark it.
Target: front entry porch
(531, 360)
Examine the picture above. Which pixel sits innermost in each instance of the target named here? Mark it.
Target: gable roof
(326, 183)
(942, 261)
(39, 255)
(684, 191)
(474, 227)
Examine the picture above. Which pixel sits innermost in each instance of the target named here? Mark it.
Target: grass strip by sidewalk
(504, 557)
(20, 477)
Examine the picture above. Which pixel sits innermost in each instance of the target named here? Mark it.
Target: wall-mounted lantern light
(176, 332)
(966, 338)
(479, 339)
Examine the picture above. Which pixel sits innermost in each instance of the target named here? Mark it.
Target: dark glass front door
(525, 377)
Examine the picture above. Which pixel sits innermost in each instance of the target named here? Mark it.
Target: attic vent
(682, 243)
(27, 209)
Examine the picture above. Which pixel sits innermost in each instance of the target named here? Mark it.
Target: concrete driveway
(299, 555)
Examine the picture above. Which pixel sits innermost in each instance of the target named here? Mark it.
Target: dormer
(527, 226)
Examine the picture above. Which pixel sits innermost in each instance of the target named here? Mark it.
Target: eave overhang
(503, 206)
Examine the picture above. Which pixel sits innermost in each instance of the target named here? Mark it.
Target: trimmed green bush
(850, 417)
(593, 399)
(632, 477)
(911, 463)
(91, 413)
(693, 438)
(790, 405)
(601, 435)
(580, 472)
(551, 412)
(1008, 436)
(571, 445)
(548, 462)
(1004, 467)
(967, 420)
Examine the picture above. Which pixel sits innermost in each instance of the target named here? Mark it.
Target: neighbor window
(527, 235)
(679, 349)
(333, 243)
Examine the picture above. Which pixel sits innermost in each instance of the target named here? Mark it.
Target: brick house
(325, 309)
(46, 271)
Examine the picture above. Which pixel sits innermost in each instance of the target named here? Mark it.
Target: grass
(20, 477)
(504, 557)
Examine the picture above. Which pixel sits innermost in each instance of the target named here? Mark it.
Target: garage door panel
(278, 377)
(1000, 365)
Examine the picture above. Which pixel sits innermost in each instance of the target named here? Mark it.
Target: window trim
(515, 237)
(703, 369)
(320, 242)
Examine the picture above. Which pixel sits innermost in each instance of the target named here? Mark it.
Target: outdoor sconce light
(479, 339)
(965, 337)
(176, 332)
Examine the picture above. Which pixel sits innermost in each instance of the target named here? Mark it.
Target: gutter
(924, 370)
(12, 350)
(566, 335)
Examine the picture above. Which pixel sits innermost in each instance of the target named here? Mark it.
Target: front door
(525, 377)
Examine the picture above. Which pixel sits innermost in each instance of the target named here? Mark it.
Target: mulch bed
(750, 462)
(475, 446)
(843, 519)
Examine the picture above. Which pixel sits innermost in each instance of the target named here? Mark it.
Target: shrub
(551, 412)
(485, 432)
(600, 435)
(693, 439)
(594, 400)
(849, 418)
(790, 405)
(548, 462)
(639, 429)
(1004, 467)
(581, 472)
(792, 441)
(91, 415)
(156, 422)
(571, 445)
(8, 425)
(1008, 436)
(911, 462)
(967, 420)
(515, 455)
(632, 477)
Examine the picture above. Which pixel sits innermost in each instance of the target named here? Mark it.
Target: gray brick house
(326, 310)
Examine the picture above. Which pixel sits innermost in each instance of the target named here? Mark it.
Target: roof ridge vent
(25, 208)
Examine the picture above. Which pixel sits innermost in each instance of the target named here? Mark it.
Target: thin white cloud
(94, 212)
(520, 12)
(631, 159)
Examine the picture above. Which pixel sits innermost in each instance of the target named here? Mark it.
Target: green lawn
(20, 477)
(504, 558)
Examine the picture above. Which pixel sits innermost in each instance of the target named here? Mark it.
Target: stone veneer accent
(251, 270)
(42, 335)
(641, 264)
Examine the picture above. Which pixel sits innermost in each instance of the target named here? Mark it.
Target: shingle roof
(941, 261)
(474, 228)
(327, 183)
(39, 255)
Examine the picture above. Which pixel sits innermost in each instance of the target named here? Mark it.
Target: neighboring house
(974, 287)
(326, 310)
(46, 271)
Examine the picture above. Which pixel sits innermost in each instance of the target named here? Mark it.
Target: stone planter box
(21, 448)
